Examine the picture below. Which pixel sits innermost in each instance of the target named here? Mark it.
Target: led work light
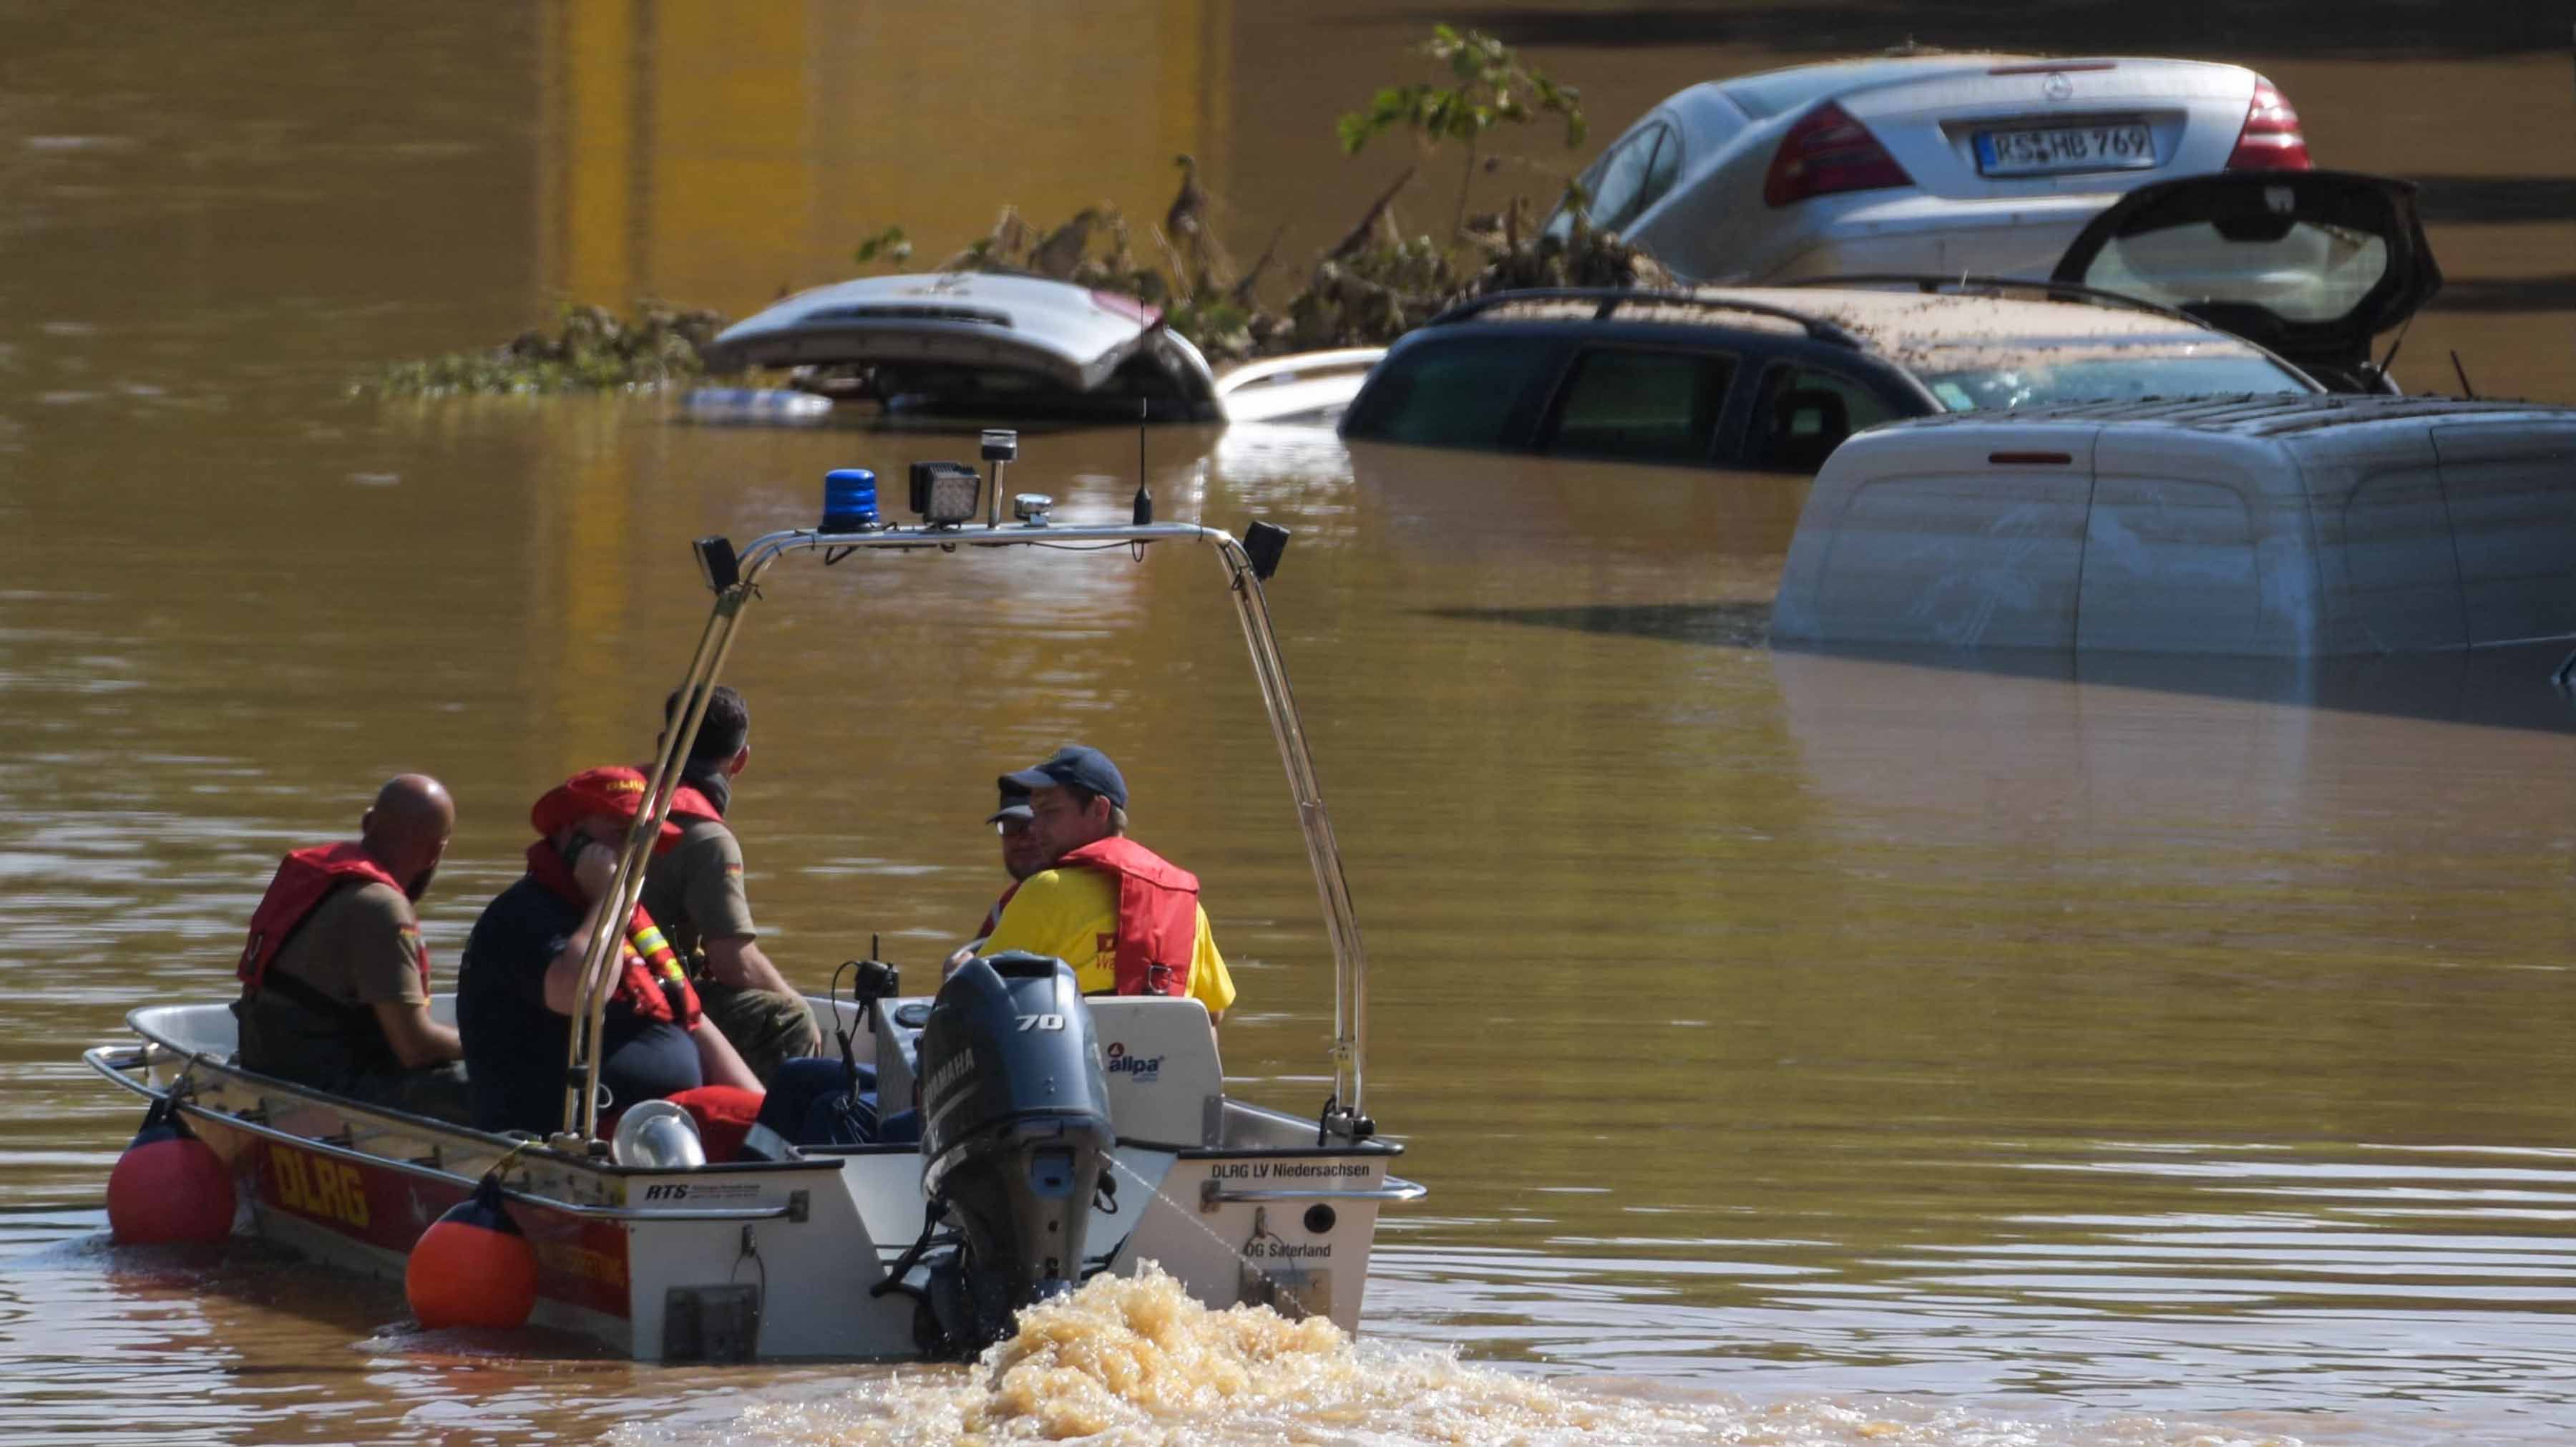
(945, 493)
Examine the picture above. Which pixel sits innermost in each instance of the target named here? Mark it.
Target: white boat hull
(760, 1259)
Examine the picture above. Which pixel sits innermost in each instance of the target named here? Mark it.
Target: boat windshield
(2031, 382)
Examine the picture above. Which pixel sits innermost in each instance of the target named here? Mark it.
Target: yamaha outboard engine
(1015, 1134)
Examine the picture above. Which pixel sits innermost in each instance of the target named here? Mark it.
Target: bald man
(335, 978)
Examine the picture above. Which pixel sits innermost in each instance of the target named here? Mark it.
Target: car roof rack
(1611, 298)
(1968, 284)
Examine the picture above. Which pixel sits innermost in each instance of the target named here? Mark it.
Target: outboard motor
(1015, 1135)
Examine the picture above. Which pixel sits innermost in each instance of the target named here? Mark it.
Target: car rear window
(2298, 270)
(1642, 406)
(2113, 379)
(1464, 392)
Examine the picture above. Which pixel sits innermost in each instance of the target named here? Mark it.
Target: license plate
(2114, 146)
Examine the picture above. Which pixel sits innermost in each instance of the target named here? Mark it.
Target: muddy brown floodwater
(1799, 1049)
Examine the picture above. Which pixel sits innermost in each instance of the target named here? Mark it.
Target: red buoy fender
(169, 1185)
(473, 1266)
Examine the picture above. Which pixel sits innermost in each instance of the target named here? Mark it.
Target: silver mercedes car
(1938, 164)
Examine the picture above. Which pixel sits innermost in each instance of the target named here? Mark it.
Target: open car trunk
(2311, 264)
(966, 343)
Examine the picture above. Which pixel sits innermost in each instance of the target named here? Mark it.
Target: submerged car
(1021, 349)
(1927, 163)
(2270, 526)
(1772, 378)
(2231, 285)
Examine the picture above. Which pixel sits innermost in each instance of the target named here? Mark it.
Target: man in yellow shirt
(1127, 920)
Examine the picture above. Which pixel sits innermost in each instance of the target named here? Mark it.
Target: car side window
(1642, 406)
(1465, 392)
(1804, 413)
(1661, 171)
(1620, 193)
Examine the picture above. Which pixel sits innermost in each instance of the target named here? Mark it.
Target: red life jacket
(688, 803)
(304, 879)
(649, 979)
(1158, 915)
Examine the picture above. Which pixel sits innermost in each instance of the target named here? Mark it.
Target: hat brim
(562, 807)
(1016, 811)
(1029, 781)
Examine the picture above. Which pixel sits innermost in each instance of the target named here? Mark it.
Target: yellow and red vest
(1158, 915)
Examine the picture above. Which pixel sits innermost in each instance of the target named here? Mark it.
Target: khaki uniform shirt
(694, 891)
(358, 947)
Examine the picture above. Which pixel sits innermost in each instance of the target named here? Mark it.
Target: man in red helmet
(521, 979)
(335, 978)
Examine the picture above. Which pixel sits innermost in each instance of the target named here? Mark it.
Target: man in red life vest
(695, 892)
(521, 977)
(1127, 920)
(335, 978)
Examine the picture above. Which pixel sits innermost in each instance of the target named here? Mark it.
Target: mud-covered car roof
(1920, 331)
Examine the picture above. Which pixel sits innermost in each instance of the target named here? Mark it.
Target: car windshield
(2031, 381)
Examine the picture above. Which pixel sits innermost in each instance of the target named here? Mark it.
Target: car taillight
(2271, 139)
(1825, 152)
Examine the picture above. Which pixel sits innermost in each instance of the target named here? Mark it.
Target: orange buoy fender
(473, 1267)
(169, 1185)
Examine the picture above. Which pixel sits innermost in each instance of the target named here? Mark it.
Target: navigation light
(849, 500)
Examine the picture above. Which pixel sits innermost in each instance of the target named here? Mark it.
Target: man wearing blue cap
(1127, 920)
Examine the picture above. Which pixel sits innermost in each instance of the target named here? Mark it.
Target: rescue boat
(1066, 1136)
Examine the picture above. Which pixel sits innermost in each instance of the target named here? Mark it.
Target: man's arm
(563, 973)
(738, 962)
(381, 940)
(1211, 984)
(417, 1040)
(718, 1062)
(564, 983)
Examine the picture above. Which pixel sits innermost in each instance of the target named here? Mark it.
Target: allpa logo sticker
(1145, 1068)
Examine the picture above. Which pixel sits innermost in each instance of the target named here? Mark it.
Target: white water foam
(1135, 1362)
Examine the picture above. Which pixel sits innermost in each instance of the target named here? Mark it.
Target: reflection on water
(1800, 1047)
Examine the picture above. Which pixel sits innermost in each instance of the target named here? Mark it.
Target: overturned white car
(1021, 349)
(2301, 526)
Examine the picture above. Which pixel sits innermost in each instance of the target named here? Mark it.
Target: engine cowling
(1015, 1134)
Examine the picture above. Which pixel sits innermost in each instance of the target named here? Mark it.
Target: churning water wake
(1134, 1361)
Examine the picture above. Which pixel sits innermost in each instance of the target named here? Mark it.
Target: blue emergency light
(849, 500)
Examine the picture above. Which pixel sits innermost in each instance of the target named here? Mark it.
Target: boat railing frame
(735, 580)
(113, 1062)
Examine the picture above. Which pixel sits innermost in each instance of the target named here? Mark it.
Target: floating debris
(593, 350)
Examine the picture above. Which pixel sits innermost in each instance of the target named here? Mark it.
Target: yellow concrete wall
(717, 154)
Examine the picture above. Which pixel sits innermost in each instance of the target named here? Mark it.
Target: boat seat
(1165, 1084)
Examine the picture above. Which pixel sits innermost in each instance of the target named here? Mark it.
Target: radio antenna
(2394, 343)
(1144, 506)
